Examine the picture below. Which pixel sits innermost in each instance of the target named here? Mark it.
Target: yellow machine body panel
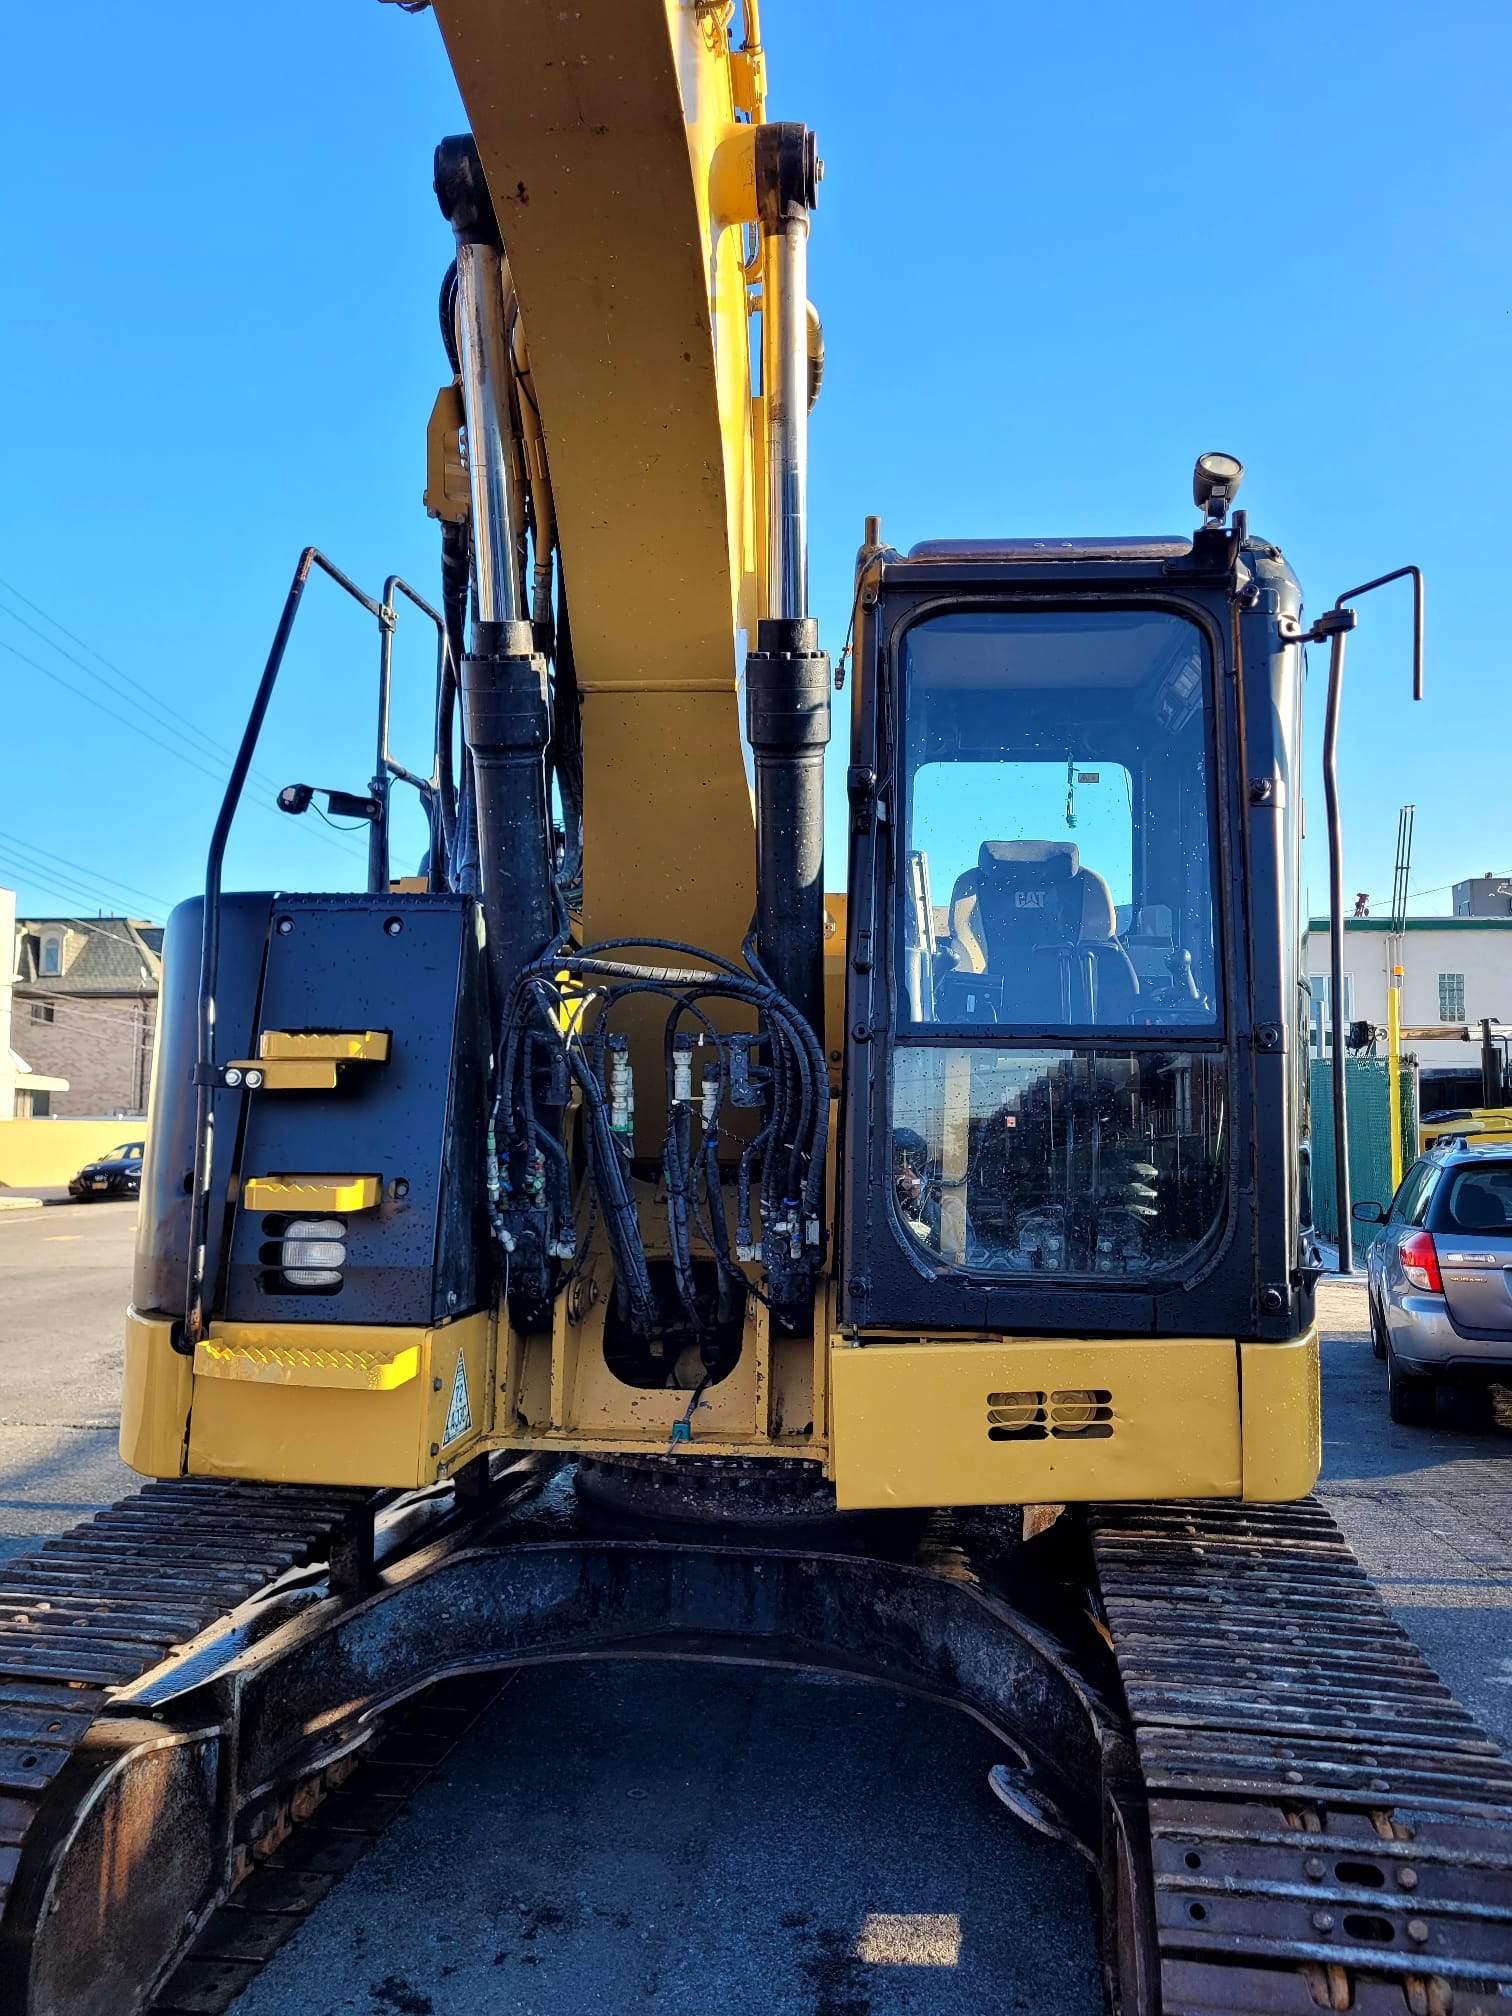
(311, 1403)
(909, 1421)
(1024, 1420)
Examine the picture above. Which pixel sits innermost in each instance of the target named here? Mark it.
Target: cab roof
(1165, 546)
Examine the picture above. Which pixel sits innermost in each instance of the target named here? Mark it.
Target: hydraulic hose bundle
(557, 1037)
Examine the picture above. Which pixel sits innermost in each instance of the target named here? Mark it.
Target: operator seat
(1031, 917)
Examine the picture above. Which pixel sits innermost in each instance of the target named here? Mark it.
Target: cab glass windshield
(1058, 1162)
(1059, 1085)
(1057, 830)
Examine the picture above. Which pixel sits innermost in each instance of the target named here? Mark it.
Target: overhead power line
(73, 887)
(175, 722)
(168, 717)
(125, 720)
(16, 842)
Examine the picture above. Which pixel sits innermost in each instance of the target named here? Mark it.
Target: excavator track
(1287, 1809)
(120, 1595)
(1328, 1827)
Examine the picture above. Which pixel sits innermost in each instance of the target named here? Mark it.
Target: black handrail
(388, 766)
(206, 1073)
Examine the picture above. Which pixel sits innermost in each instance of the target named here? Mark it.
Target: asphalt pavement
(1427, 1510)
(65, 1278)
(625, 1836)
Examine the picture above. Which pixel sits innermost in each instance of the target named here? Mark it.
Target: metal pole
(1394, 1070)
(784, 385)
(1491, 1091)
(1336, 948)
(485, 402)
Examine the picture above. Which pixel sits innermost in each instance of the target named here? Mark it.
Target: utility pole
(1395, 939)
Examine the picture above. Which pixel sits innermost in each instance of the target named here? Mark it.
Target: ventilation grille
(1084, 1414)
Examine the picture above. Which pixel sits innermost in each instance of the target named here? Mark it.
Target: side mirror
(1369, 1214)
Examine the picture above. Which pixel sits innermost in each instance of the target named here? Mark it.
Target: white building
(1454, 969)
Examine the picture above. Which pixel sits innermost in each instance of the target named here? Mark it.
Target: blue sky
(1054, 263)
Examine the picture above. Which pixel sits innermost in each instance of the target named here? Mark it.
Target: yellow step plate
(371, 1370)
(294, 1074)
(335, 1046)
(303, 1194)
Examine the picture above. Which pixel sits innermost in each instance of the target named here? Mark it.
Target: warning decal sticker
(459, 1413)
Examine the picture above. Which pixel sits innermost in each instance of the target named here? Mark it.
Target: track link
(115, 1597)
(1328, 1827)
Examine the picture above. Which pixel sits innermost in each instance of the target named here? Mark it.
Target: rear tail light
(314, 1252)
(1420, 1262)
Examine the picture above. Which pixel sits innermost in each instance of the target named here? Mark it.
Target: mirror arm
(1335, 625)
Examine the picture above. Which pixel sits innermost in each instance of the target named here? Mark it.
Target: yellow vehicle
(1469, 1103)
(612, 1159)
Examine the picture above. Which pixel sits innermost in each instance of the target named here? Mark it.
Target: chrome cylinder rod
(784, 381)
(483, 348)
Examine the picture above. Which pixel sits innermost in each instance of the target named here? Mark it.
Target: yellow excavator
(605, 1241)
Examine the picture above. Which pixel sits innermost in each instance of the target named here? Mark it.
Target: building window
(41, 1105)
(51, 963)
(43, 1011)
(1322, 1020)
(1451, 997)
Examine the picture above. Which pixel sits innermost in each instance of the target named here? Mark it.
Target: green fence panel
(1368, 1095)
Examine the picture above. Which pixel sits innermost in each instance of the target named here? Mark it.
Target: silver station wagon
(1440, 1276)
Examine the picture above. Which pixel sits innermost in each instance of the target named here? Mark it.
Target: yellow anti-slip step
(265, 1356)
(308, 1060)
(301, 1194)
(333, 1046)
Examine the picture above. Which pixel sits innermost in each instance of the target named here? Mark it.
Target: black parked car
(118, 1174)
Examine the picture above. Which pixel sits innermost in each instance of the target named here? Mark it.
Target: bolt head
(233, 1078)
(1322, 1921)
(393, 926)
(1314, 1866)
(254, 1079)
(1417, 1929)
(284, 926)
(1407, 1879)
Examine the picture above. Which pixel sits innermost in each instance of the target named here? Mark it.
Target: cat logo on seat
(1028, 899)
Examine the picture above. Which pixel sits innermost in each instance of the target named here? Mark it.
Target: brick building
(85, 1008)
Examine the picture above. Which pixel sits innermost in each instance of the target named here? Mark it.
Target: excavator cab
(1073, 782)
(1072, 1068)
